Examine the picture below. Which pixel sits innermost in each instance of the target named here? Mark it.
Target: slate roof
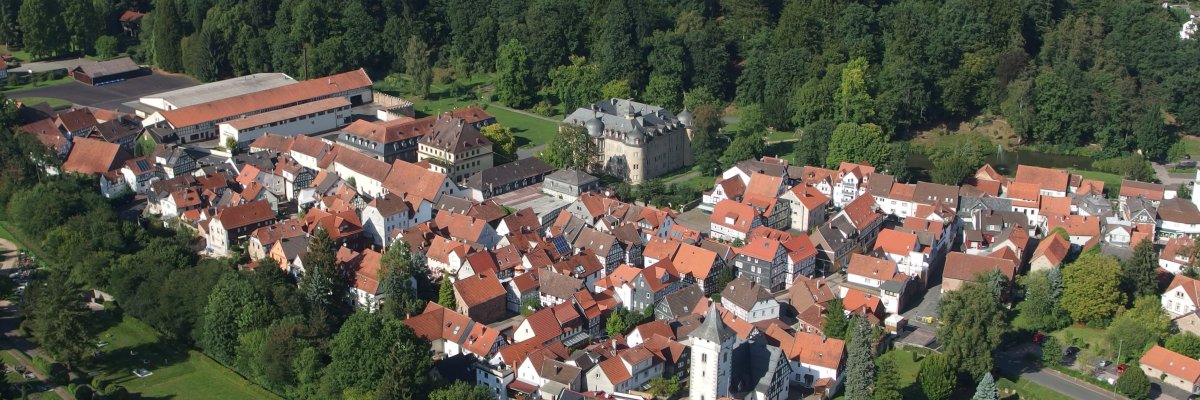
(504, 174)
(572, 177)
(745, 293)
(107, 68)
(455, 135)
(713, 329)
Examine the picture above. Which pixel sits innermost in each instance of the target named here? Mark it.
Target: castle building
(636, 141)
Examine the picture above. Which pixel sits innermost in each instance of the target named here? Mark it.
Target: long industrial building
(304, 119)
(199, 122)
(212, 91)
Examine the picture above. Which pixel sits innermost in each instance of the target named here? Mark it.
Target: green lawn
(21, 55)
(1193, 145)
(1028, 390)
(781, 135)
(60, 81)
(15, 235)
(179, 374)
(530, 131)
(1090, 341)
(55, 103)
(1112, 182)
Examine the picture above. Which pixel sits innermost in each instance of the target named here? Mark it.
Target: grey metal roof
(713, 329)
(572, 177)
(504, 174)
(221, 89)
(614, 114)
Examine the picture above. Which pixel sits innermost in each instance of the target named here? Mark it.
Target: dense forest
(1063, 73)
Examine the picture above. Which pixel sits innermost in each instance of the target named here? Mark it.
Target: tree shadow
(121, 362)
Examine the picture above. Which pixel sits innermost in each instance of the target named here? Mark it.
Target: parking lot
(110, 96)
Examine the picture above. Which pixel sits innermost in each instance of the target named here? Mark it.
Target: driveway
(111, 96)
(1012, 363)
(1171, 180)
(926, 306)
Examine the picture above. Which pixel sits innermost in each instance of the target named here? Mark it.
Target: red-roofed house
(1050, 182)
(904, 249)
(1182, 296)
(481, 297)
(807, 206)
(764, 260)
(1175, 369)
(963, 267)
(366, 280)
(452, 333)
(733, 221)
(850, 183)
(1177, 254)
(1050, 253)
(699, 266)
(235, 223)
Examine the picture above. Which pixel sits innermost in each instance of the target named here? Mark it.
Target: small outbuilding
(106, 72)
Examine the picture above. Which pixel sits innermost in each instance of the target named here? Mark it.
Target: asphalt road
(1013, 363)
(111, 96)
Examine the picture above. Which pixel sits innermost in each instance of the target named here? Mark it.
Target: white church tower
(712, 358)
(1195, 188)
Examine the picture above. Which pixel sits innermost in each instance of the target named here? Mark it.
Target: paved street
(1167, 178)
(110, 96)
(42, 66)
(1012, 362)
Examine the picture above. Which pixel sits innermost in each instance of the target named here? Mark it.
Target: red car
(1121, 369)
(1038, 337)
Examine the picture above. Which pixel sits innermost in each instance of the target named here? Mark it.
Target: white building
(712, 358)
(303, 119)
(749, 301)
(1182, 296)
(389, 213)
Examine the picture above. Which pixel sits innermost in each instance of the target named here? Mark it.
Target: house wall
(308, 124)
(1176, 302)
(1177, 382)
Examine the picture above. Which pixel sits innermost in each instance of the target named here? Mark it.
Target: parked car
(1104, 363)
(1038, 337)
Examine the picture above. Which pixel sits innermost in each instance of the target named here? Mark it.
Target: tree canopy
(972, 323)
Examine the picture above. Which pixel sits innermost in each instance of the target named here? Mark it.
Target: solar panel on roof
(143, 165)
(560, 245)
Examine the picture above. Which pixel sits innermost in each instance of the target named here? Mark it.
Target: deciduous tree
(461, 391)
(1138, 328)
(167, 32)
(972, 322)
(857, 143)
(513, 81)
(1134, 384)
(504, 144)
(1185, 343)
(57, 319)
(1091, 288)
(575, 84)
(42, 24)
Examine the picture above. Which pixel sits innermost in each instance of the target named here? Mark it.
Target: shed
(106, 72)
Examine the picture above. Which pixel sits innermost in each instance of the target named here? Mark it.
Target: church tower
(712, 358)
(1195, 187)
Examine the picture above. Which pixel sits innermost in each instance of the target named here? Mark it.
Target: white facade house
(1181, 297)
(749, 301)
(303, 119)
(389, 213)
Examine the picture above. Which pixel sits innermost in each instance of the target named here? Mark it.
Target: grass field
(1193, 145)
(1112, 182)
(55, 103)
(1090, 341)
(908, 364)
(530, 131)
(15, 235)
(32, 85)
(178, 374)
(780, 135)
(21, 55)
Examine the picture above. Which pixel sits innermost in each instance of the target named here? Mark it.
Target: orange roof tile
(267, 99)
(871, 267)
(479, 289)
(895, 242)
(91, 156)
(734, 215)
(966, 267)
(1172, 363)
(1045, 178)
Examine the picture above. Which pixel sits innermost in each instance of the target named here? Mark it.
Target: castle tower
(712, 358)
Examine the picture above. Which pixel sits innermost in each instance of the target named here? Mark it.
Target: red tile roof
(1045, 178)
(809, 196)
(267, 99)
(760, 247)
(892, 241)
(871, 267)
(695, 261)
(366, 278)
(1054, 248)
(91, 156)
(734, 215)
(1151, 191)
(1190, 286)
(966, 267)
(1172, 363)
(862, 211)
(764, 185)
(479, 289)
(411, 178)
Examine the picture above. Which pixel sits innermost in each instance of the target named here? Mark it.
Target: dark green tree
(166, 34)
(987, 390)
(1185, 343)
(323, 285)
(857, 143)
(1139, 276)
(1140, 327)
(404, 273)
(860, 363)
(513, 81)
(57, 319)
(418, 65)
(1134, 384)
(461, 391)
(744, 147)
(853, 99)
(446, 295)
(575, 84)
(1039, 310)
(42, 26)
(408, 365)
(887, 380)
(107, 46)
(836, 324)
(1052, 351)
(958, 156)
(707, 141)
(936, 377)
(972, 323)
(571, 147)
(82, 24)
(814, 143)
